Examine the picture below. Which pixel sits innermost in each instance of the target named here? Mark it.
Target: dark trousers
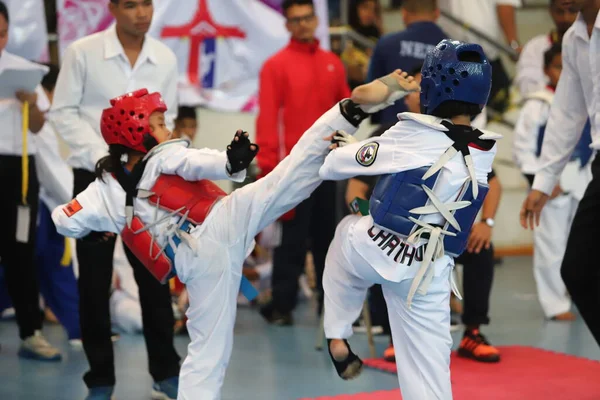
(58, 284)
(18, 258)
(95, 276)
(580, 269)
(478, 275)
(315, 219)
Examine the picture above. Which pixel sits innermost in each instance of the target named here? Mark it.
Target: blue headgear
(445, 76)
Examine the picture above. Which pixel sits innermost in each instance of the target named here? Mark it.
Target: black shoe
(351, 367)
(275, 317)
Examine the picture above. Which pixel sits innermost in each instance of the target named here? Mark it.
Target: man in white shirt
(497, 19)
(19, 202)
(530, 68)
(96, 69)
(576, 99)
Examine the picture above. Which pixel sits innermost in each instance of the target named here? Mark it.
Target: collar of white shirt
(580, 27)
(114, 48)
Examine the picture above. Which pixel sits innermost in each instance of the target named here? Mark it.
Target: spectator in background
(58, 284)
(289, 104)
(530, 68)
(406, 49)
(96, 69)
(186, 123)
(19, 210)
(364, 19)
(497, 19)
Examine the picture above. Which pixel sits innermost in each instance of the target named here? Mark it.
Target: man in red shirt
(297, 85)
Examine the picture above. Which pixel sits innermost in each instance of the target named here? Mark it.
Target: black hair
(552, 52)
(289, 3)
(416, 70)
(49, 80)
(112, 161)
(453, 108)
(4, 11)
(185, 112)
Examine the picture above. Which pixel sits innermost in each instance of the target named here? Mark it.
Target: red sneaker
(476, 347)
(389, 354)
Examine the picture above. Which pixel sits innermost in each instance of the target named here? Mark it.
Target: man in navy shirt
(406, 49)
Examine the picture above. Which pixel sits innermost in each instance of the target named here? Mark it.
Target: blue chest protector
(396, 196)
(582, 152)
(399, 200)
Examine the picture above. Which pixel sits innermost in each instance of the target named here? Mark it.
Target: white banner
(28, 35)
(220, 45)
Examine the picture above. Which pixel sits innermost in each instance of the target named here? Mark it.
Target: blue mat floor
(280, 363)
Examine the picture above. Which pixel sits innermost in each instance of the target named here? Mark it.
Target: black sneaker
(275, 317)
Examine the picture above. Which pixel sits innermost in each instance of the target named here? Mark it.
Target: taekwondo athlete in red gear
(174, 219)
(435, 168)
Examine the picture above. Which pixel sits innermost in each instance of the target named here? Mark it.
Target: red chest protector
(176, 195)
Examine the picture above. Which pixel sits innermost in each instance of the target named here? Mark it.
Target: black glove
(352, 112)
(240, 153)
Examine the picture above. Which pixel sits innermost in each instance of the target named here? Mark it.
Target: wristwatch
(489, 222)
(515, 44)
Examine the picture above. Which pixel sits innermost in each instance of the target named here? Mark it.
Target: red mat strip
(524, 373)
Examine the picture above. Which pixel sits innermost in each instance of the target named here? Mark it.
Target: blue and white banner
(220, 45)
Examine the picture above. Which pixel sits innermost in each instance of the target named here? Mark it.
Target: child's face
(158, 127)
(553, 70)
(185, 127)
(413, 99)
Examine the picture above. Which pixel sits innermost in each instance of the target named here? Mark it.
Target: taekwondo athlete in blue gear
(435, 168)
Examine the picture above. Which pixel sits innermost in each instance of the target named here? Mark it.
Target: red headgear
(126, 122)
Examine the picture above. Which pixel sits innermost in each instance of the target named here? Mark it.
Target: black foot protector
(349, 368)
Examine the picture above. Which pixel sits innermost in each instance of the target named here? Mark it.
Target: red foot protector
(523, 373)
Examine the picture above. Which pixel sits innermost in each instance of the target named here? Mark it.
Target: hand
(29, 97)
(531, 209)
(406, 82)
(98, 237)
(556, 192)
(480, 237)
(240, 152)
(340, 139)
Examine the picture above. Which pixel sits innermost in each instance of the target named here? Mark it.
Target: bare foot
(566, 316)
(339, 350)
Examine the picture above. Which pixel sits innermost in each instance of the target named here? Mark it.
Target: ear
(112, 7)
(403, 13)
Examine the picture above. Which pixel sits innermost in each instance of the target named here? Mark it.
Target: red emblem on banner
(200, 28)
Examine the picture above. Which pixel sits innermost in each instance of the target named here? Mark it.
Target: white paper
(13, 80)
(23, 220)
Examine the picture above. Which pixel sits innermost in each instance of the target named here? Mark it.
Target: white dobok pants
(212, 273)
(550, 243)
(421, 335)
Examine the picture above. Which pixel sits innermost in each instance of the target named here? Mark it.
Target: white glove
(342, 138)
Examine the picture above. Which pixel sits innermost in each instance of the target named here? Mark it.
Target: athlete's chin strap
(462, 136)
